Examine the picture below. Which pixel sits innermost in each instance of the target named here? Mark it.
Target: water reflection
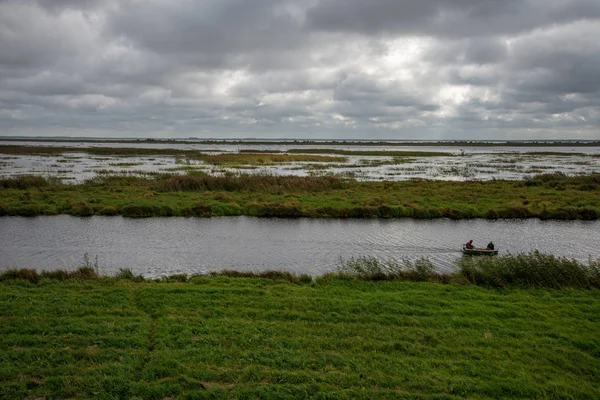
(77, 167)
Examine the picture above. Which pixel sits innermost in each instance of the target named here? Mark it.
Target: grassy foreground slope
(258, 338)
(544, 196)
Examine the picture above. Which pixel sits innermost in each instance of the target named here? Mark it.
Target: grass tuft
(372, 269)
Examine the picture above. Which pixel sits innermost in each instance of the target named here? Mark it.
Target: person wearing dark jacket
(490, 246)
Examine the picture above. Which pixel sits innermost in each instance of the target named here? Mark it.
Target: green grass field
(226, 337)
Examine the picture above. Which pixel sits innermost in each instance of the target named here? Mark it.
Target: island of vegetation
(553, 196)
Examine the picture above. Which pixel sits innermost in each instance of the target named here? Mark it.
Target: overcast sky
(376, 69)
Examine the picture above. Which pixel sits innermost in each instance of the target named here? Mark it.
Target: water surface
(158, 246)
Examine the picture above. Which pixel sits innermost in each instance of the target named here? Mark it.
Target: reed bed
(373, 269)
(533, 269)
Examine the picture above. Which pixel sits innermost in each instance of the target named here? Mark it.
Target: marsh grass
(27, 182)
(127, 274)
(373, 269)
(245, 182)
(533, 269)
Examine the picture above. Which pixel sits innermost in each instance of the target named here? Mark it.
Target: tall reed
(372, 268)
(530, 269)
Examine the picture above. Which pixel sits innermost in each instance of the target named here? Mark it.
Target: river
(160, 246)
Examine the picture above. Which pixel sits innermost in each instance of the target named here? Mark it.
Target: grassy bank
(525, 270)
(225, 337)
(545, 196)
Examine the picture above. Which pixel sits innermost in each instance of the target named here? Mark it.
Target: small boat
(476, 251)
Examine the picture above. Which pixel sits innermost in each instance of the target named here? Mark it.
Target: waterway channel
(155, 247)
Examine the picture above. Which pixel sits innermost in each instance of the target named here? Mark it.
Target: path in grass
(256, 338)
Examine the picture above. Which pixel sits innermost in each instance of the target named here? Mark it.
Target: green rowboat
(479, 251)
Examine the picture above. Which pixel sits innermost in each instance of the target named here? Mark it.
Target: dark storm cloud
(312, 68)
(443, 18)
(214, 33)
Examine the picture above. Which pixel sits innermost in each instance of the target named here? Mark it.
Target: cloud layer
(433, 69)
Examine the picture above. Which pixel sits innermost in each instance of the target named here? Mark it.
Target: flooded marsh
(81, 160)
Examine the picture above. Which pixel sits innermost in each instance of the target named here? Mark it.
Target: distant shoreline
(352, 142)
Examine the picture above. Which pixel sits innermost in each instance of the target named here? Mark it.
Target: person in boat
(469, 244)
(490, 246)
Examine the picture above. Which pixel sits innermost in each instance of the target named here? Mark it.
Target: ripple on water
(157, 246)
